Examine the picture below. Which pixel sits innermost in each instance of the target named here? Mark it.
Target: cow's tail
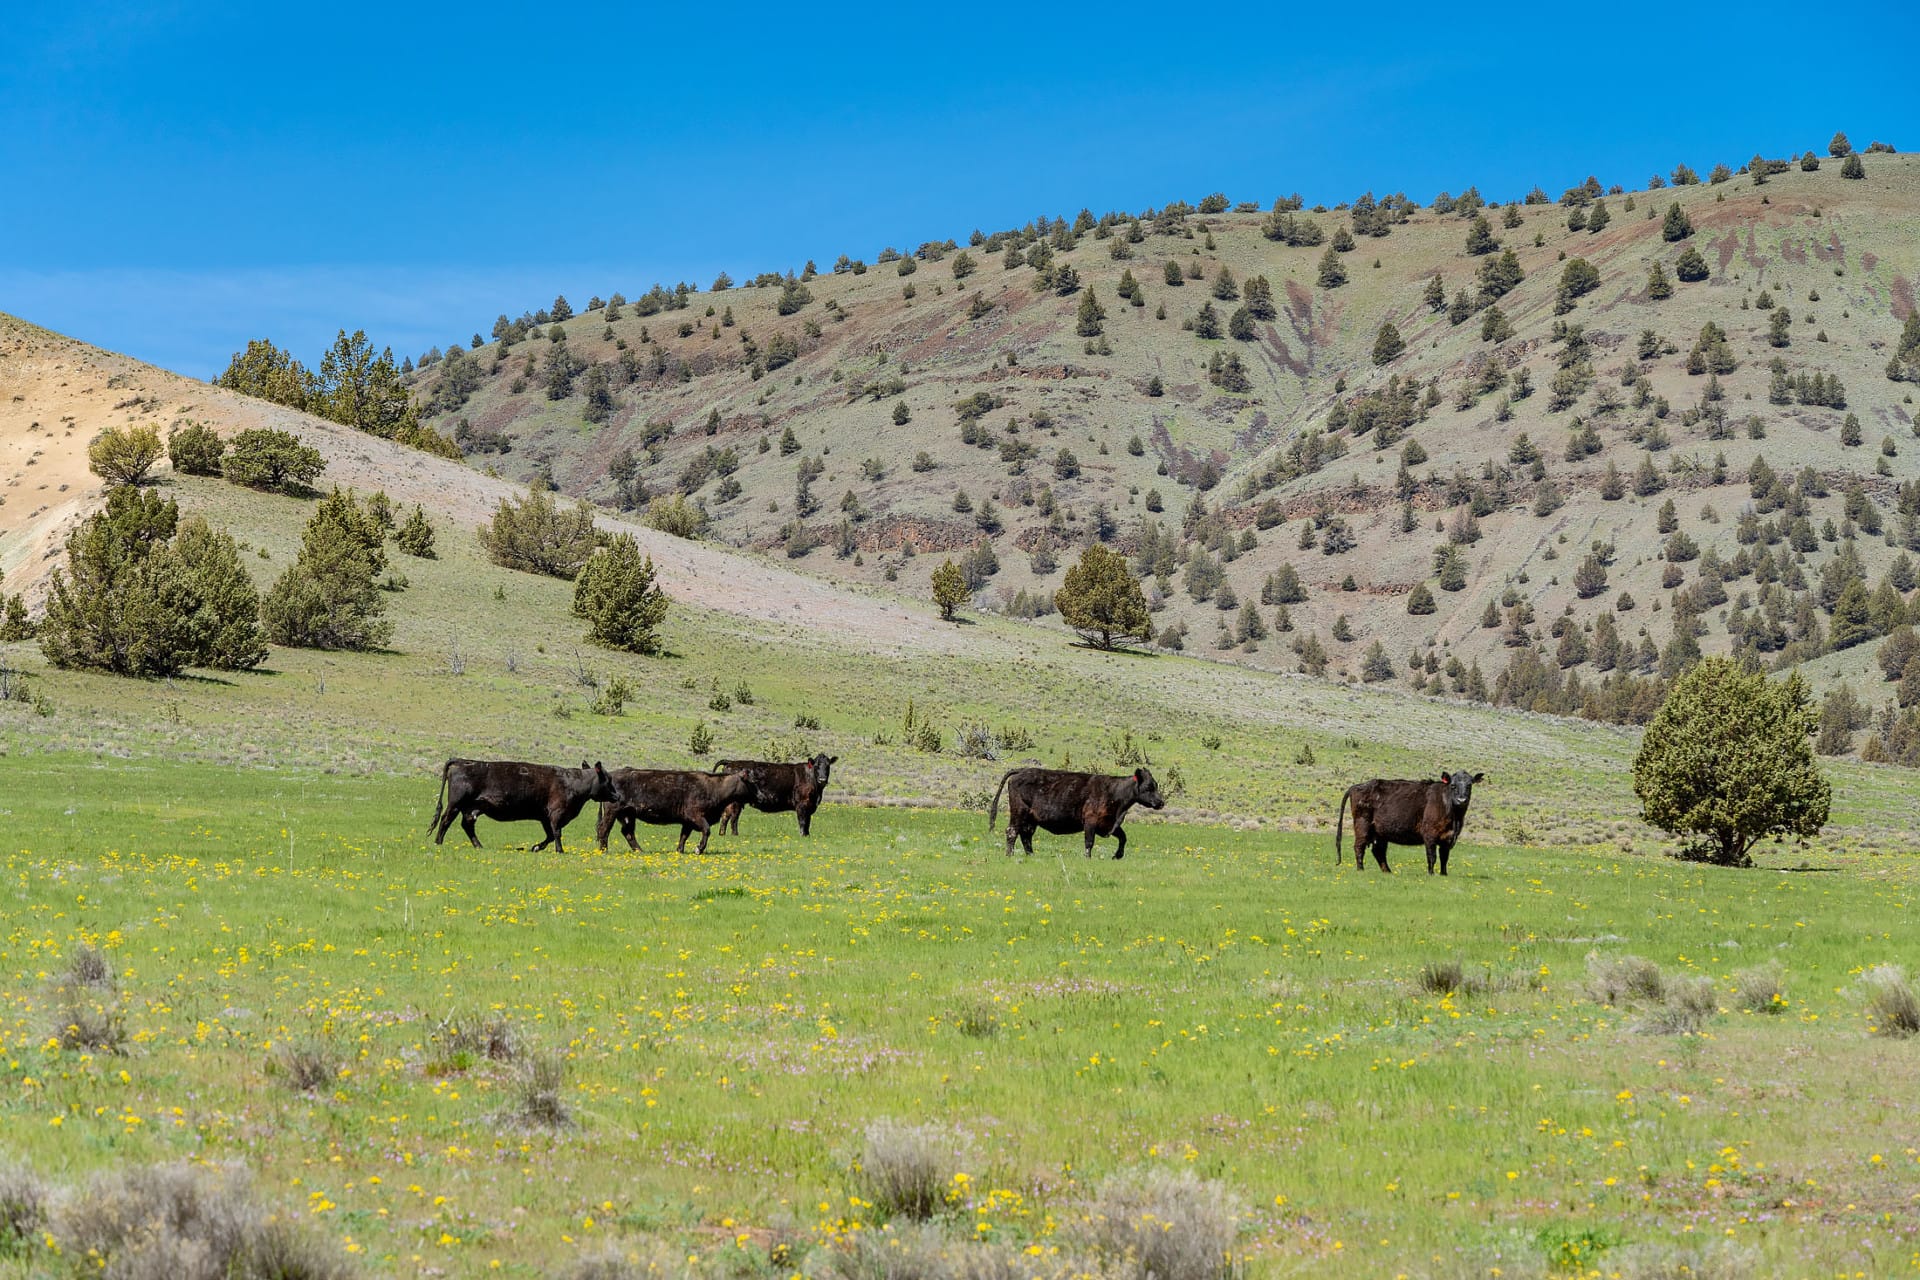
(440, 803)
(1339, 827)
(993, 810)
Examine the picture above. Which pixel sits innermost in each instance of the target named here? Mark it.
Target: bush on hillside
(327, 599)
(195, 449)
(265, 458)
(146, 593)
(533, 535)
(124, 455)
(617, 594)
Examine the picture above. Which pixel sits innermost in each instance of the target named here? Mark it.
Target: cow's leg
(686, 829)
(806, 821)
(1430, 856)
(1446, 847)
(1361, 839)
(604, 826)
(703, 836)
(627, 830)
(440, 831)
(1013, 833)
(1120, 834)
(1026, 835)
(552, 829)
(466, 825)
(1380, 855)
(1090, 838)
(730, 817)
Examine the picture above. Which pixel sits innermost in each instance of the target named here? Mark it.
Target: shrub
(700, 741)
(903, 1168)
(487, 1036)
(195, 449)
(1728, 760)
(23, 1207)
(617, 594)
(1892, 1007)
(263, 458)
(1686, 1006)
(534, 536)
(675, 514)
(1156, 1224)
(1762, 989)
(1102, 600)
(976, 1020)
(183, 1220)
(1619, 980)
(146, 593)
(307, 1065)
(327, 599)
(124, 455)
(537, 1100)
(415, 537)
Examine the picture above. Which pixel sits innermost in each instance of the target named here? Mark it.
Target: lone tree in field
(617, 594)
(1729, 760)
(124, 455)
(1102, 600)
(415, 537)
(949, 589)
(534, 536)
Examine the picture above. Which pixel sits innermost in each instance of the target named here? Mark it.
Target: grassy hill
(692, 383)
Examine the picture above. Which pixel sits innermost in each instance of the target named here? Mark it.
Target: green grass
(1223, 1001)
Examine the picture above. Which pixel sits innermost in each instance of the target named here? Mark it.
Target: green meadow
(1224, 1001)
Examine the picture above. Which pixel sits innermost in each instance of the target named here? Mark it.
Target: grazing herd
(1385, 810)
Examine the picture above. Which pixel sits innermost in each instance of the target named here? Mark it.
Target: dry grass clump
(87, 967)
(477, 1037)
(1679, 1262)
(903, 1168)
(85, 1003)
(978, 1020)
(1685, 1008)
(23, 1206)
(538, 1096)
(307, 1065)
(1762, 989)
(921, 1251)
(1892, 1007)
(181, 1222)
(1160, 1224)
(1450, 978)
(1667, 1005)
(644, 1258)
(1622, 979)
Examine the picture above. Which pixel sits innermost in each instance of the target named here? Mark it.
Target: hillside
(727, 382)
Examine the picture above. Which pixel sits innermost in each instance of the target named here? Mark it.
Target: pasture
(1222, 1001)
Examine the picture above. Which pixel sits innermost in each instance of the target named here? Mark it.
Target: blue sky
(178, 178)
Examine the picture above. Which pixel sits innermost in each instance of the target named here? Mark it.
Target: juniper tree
(618, 595)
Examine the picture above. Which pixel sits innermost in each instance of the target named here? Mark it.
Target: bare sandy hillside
(57, 394)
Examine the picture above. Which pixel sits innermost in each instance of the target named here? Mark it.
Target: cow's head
(1459, 785)
(822, 766)
(1146, 792)
(601, 786)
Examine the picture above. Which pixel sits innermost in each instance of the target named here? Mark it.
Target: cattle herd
(1385, 811)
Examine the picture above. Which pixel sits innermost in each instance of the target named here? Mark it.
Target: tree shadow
(1119, 650)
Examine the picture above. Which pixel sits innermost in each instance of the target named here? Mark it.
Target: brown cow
(662, 797)
(511, 791)
(779, 788)
(1063, 803)
(1400, 811)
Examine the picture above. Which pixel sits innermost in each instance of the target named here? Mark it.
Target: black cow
(779, 788)
(1398, 811)
(511, 791)
(663, 797)
(1063, 803)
